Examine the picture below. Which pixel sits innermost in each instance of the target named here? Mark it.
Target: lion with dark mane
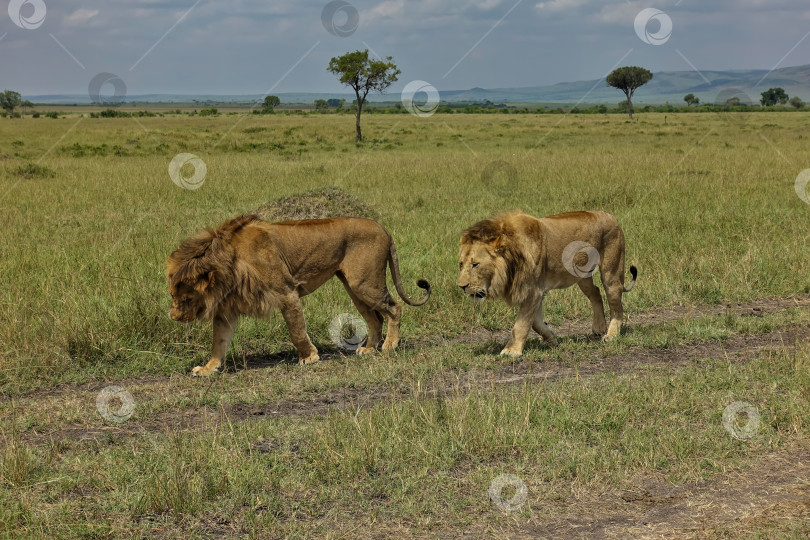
(247, 266)
(519, 258)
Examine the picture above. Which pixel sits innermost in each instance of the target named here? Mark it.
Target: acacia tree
(10, 100)
(772, 96)
(691, 99)
(628, 79)
(270, 103)
(363, 75)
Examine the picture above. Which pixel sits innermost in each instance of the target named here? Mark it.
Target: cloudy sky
(275, 46)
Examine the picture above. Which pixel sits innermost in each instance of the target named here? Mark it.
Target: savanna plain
(442, 438)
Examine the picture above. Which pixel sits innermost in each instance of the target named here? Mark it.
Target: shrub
(31, 170)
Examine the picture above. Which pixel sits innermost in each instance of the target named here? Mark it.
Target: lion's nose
(464, 287)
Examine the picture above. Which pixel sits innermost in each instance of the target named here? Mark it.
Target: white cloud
(386, 9)
(559, 6)
(618, 13)
(80, 16)
(487, 4)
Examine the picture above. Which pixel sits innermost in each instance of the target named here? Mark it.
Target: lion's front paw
(202, 371)
(390, 345)
(551, 340)
(514, 353)
(613, 331)
(311, 359)
(365, 350)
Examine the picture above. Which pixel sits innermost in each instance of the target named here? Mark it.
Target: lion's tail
(634, 273)
(393, 262)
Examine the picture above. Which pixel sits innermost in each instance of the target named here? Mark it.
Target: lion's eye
(475, 265)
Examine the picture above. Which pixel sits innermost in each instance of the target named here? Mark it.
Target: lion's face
(189, 300)
(481, 271)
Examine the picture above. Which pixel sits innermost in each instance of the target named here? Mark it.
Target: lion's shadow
(247, 362)
(331, 353)
(535, 342)
(289, 357)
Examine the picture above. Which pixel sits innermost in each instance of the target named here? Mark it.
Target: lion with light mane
(519, 258)
(247, 266)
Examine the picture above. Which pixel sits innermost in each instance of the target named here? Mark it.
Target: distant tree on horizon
(772, 96)
(10, 100)
(691, 99)
(628, 79)
(797, 102)
(354, 69)
(321, 104)
(270, 103)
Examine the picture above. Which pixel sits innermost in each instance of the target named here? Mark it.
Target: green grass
(427, 367)
(413, 463)
(90, 214)
(708, 208)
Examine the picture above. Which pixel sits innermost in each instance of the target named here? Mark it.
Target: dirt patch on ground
(481, 336)
(571, 327)
(740, 348)
(319, 203)
(774, 487)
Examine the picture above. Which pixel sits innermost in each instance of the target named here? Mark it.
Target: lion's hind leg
(612, 271)
(586, 285)
(394, 313)
(539, 325)
(614, 295)
(613, 291)
(390, 309)
(373, 318)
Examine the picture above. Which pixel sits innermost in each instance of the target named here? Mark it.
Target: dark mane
(498, 230)
(208, 250)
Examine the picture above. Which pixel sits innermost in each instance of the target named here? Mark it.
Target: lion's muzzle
(476, 294)
(179, 316)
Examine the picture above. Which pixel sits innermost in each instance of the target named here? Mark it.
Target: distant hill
(202, 100)
(666, 86)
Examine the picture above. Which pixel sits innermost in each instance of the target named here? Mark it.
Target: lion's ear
(204, 282)
(497, 245)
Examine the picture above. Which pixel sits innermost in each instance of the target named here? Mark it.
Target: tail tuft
(423, 284)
